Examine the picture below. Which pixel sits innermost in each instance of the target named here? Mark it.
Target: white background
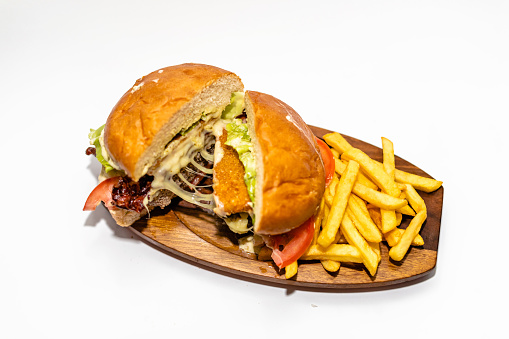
(432, 76)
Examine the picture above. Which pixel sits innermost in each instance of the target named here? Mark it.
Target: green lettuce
(94, 137)
(236, 106)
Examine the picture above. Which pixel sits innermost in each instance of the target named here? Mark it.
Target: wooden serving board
(201, 238)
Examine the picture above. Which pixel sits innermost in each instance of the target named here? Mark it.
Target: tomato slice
(294, 243)
(328, 160)
(101, 192)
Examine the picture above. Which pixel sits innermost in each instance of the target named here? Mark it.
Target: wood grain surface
(202, 239)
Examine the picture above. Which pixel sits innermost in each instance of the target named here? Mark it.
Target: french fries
(363, 206)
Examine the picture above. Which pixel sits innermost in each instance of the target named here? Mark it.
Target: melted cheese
(182, 152)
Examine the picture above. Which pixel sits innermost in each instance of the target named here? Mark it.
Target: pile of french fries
(363, 206)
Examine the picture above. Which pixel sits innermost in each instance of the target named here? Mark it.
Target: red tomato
(294, 243)
(328, 160)
(101, 192)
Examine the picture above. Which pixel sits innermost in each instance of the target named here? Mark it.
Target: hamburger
(191, 132)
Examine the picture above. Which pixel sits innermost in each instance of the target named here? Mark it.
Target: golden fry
(388, 157)
(336, 252)
(291, 270)
(337, 142)
(418, 182)
(339, 203)
(331, 265)
(389, 221)
(398, 252)
(378, 199)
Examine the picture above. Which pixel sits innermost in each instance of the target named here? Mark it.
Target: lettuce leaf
(235, 108)
(95, 140)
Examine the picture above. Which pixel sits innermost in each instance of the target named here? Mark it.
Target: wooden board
(202, 239)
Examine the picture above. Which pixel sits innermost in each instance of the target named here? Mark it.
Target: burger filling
(185, 167)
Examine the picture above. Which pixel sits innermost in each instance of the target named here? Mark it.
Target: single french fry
(388, 157)
(291, 270)
(338, 207)
(398, 252)
(331, 265)
(336, 252)
(418, 182)
(363, 222)
(378, 199)
(370, 258)
(374, 171)
(414, 199)
(389, 221)
(337, 142)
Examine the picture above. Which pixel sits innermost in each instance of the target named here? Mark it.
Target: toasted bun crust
(290, 173)
(159, 106)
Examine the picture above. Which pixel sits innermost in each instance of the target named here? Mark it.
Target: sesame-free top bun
(159, 106)
(290, 172)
